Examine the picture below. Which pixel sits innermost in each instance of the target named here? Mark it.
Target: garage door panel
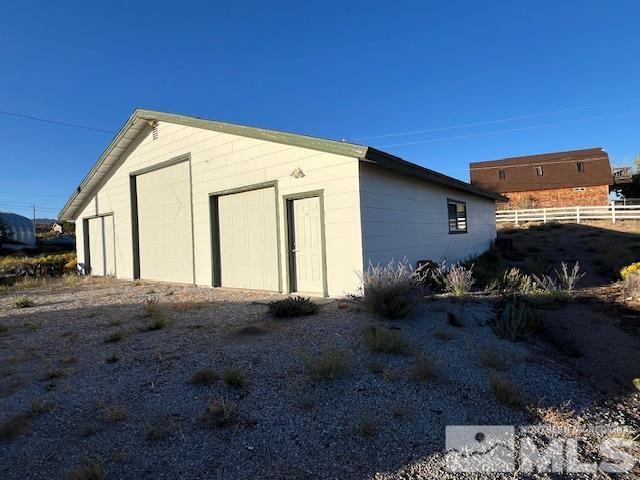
(102, 246)
(248, 240)
(164, 224)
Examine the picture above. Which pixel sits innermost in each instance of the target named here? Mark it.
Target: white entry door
(307, 245)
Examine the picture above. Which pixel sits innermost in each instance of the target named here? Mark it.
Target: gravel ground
(53, 359)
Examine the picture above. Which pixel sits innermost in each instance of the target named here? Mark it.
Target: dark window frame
(580, 167)
(539, 171)
(454, 217)
(502, 174)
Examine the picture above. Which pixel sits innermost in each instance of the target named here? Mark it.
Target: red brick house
(561, 179)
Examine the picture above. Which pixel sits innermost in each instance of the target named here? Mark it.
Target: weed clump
(292, 307)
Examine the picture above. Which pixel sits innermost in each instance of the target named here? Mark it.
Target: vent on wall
(155, 131)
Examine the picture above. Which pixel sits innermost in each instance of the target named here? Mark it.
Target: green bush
(517, 320)
(21, 301)
(234, 378)
(292, 307)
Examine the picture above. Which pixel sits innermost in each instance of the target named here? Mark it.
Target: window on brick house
(539, 172)
(502, 174)
(580, 166)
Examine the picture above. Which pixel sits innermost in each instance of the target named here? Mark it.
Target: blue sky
(334, 69)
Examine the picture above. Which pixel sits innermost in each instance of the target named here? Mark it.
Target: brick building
(561, 179)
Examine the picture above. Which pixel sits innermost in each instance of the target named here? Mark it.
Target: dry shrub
(234, 378)
(204, 376)
(561, 416)
(390, 291)
(22, 301)
(329, 364)
(220, 413)
(631, 285)
(457, 279)
(423, 368)
(443, 335)
(564, 283)
(91, 470)
(514, 281)
(115, 337)
(153, 310)
(115, 413)
(113, 358)
(156, 431)
(505, 392)
(383, 340)
(366, 427)
(14, 426)
(493, 358)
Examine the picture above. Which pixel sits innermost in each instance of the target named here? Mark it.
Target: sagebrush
(563, 284)
(517, 320)
(456, 279)
(390, 291)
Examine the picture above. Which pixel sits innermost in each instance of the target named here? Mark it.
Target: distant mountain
(45, 221)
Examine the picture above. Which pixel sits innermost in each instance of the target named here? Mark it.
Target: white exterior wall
(221, 161)
(404, 216)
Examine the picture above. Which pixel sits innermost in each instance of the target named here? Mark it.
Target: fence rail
(611, 212)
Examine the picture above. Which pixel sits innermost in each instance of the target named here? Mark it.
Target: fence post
(516, 213)
(613, 212)
(578, 214)
(544, 215)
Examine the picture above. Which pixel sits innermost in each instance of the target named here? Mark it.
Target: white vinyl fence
(611, 212)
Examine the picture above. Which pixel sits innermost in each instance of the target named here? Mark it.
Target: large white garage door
(248, 240)
(164, 224)
(101, 246)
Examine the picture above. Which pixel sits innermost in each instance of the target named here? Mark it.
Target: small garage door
(248, 240)
(164, 224)
(101, 246)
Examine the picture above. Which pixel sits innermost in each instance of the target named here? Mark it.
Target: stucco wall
(221, 161)
(402, 216)
(558, 197)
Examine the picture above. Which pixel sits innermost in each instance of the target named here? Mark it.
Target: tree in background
(630, 190)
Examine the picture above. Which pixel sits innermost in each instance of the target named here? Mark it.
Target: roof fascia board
(297, 140)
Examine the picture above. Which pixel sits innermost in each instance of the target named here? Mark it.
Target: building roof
(559, 170)
(141, 123)
(19, 229)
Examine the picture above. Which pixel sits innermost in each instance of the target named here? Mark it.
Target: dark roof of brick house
(559, 170)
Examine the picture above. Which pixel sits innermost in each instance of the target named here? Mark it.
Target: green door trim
(288, 226)
(214, 219)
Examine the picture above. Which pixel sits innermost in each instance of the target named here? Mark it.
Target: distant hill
(45, 221)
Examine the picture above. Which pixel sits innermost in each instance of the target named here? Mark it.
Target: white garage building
(181, 199)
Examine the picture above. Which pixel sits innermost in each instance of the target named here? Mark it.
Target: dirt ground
(92, 386)
(599, 331)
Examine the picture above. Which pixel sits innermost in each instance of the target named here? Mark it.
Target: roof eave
(399, 165)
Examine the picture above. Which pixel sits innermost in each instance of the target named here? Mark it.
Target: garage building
(181, 199)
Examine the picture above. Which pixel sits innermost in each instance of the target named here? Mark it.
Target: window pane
(457, 212)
